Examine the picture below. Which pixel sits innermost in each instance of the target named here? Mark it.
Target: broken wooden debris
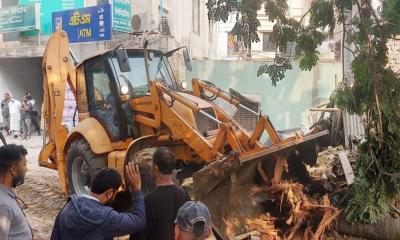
(330, 174)
(292, 214)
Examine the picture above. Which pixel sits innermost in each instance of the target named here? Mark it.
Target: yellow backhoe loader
(128, 101)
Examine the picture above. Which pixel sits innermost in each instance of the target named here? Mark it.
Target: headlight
(124, 89)
(184, 84)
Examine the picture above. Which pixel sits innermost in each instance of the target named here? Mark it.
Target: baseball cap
(193, 217)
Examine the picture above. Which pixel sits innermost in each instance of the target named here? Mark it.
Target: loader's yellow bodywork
(162, 117)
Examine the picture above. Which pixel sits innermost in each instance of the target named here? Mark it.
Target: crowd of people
(167, 213)
(19, 117)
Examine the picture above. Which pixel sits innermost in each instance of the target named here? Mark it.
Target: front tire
(82, 167)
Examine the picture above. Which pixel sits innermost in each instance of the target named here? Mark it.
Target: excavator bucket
(225, 185)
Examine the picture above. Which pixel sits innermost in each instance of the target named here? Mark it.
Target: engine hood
(186, 112)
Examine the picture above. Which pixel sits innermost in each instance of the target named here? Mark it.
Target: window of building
(233, 45)
(268, 45)
(196, 16)
(297, 8)
(290, 50)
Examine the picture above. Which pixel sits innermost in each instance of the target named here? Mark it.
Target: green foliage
(374, 94)
(391, 13)
(322, 15)
(370, 200)
(246, 16)
(275, 71)
(377, 182)
(284, 33)
(307, 42)
(276, 10)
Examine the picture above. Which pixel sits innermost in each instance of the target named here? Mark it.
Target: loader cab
(134, 83)
(103, 98)
(107, 82)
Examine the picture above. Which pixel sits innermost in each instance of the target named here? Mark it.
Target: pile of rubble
(291, 214)
(330, 175)
(297, 211)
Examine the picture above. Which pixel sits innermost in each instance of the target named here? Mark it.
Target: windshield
(136, 79)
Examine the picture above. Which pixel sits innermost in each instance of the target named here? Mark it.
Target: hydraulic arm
(58, 70)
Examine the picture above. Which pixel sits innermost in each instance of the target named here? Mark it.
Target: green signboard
(121, 15)
(19, 18)
(47, 7)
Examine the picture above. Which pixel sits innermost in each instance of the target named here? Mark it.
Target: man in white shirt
(15, 116)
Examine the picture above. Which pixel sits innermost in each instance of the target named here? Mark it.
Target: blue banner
(85, 24)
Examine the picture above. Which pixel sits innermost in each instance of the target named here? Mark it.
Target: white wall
(179, 15)
(296, 10)
(376, 3)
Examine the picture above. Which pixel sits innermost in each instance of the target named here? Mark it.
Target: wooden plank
(348, 170)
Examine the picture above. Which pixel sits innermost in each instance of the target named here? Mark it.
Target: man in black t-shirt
(163, 203)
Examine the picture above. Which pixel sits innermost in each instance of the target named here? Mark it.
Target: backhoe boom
(58, 71)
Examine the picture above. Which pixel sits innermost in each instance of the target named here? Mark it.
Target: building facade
(184, 23)
(186, 19)
(230, 49)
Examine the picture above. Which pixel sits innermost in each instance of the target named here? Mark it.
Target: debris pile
(328, 165)
(297, 211)
(329, 172)
(290, 214)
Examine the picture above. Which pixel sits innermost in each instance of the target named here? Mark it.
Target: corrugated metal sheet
(245, 118)
(353, 127)
(228, 108)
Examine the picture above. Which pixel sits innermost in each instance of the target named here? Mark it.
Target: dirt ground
(42, 194)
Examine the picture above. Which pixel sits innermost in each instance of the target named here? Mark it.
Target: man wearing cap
(193, 222)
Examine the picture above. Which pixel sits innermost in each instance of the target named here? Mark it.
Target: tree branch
(351, 51)
(376, 19)
(371, 52)
(343, 43)
(305, 14)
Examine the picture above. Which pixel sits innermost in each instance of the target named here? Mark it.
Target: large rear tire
(82, 166)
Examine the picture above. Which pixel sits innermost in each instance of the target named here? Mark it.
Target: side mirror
(186, 57)
(123, 60)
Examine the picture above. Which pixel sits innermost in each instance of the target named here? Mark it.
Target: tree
(374, 94)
